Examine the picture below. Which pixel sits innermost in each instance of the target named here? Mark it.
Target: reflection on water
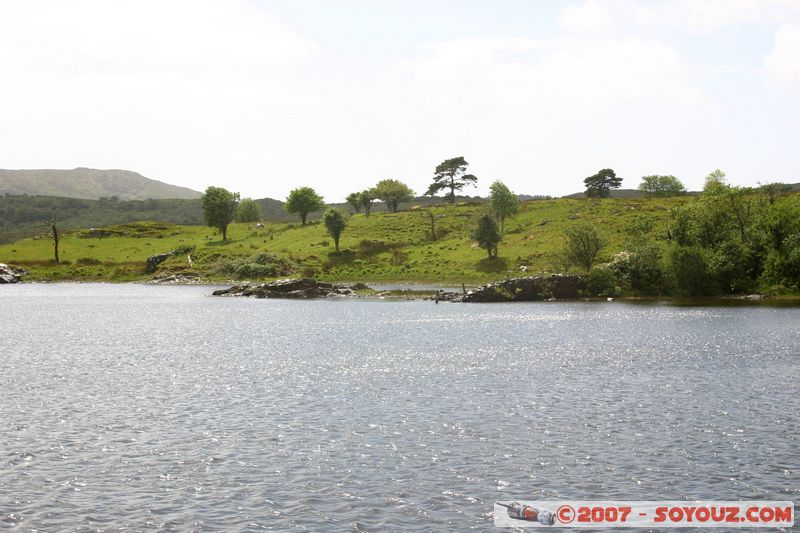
(159, 407)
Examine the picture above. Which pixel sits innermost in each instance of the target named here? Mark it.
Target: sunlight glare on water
(161, 407)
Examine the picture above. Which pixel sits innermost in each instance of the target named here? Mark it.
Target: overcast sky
(263, 96)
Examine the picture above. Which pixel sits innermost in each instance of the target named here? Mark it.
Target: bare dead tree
(53, 235)
(432, 217)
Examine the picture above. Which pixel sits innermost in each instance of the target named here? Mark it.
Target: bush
(584, 242)
(644, 269)
(183, 250)
(255, 270)
(690, 273)
(263, 265)
(733, 265)
(601, 281)
(783, 267)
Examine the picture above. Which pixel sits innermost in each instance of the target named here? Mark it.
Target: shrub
(255, 270)
(263, 265)
(369, 247)
(689, 270)
(183, 250)
(643, 269)
(601, 281)
(583, 244)
(783, 267)
(732, 265)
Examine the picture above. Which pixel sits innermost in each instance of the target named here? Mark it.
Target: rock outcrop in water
(527, 289)
(292, 288)
(9, 274)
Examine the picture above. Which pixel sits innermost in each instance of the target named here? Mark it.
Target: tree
(54, 235)
(354, 199)
(302, 201)
(716, 183)
(219, 206)
(690, 272)
(772, 190)
(367, 197)
(488, 235)
(393, 192)
(600, 185)
(662, 186)
(451, 174)
(504, 203)
(431, 216)
(335, 223)
(583, 244)
(248, 211)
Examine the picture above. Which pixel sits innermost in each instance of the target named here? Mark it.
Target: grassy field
(385, 247)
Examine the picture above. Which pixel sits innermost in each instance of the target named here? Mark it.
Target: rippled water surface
(146, 408)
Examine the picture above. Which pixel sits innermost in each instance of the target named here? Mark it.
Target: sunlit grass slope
(382, 247)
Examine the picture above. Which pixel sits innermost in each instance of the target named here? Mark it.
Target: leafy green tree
(219, 208)
(367, 196)
(392, 193)
(354, 199)
(335, 222)
(488, 235)
(772, 190)
(640, 264)
(451, 174)
(503, 202)
(742, 207)
(600, 184)
(662, 186)
(733, 266)
(302, 201)
(248, 211)
(689, 270)
(716, 183)
(583, 244)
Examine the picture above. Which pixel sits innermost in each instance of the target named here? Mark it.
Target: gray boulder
(528, 289)
(9, 274)
(154, 260)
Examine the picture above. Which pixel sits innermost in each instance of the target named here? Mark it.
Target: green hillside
(382, 247)
(89, 183)
(23, 215)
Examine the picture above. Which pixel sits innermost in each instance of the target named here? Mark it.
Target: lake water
(146, 407)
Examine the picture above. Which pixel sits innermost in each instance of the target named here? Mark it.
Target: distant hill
(24, 215)
(89, 184)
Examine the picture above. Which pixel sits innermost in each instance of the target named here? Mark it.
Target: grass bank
(384, 247)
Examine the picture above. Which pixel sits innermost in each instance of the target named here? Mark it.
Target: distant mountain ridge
(90, 184)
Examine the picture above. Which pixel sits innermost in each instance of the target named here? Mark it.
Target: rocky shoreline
(543, 287)
(9, 274)
(526, 289)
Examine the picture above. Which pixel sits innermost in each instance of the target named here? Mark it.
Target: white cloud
(782, 66)
(179, 90)
(200, 92)
(570, 76)
(591, 16)
(633, 16)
